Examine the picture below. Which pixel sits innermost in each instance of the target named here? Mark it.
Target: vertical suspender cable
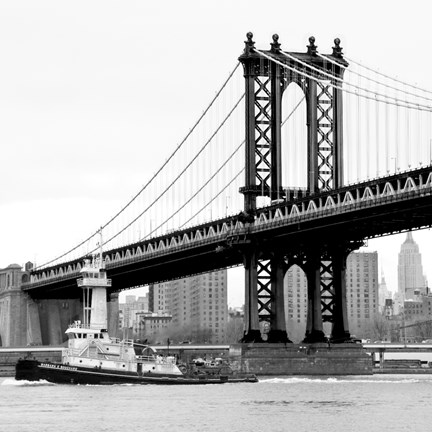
(367, 114)
(358, 152)
(386, 137)
(377, 135)
(397, 131)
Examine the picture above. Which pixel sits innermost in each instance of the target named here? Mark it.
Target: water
(377, 403)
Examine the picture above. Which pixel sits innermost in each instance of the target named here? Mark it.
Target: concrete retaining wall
(301, 359)
(9, 358)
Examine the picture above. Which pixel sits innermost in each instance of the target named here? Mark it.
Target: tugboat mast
(94, 283)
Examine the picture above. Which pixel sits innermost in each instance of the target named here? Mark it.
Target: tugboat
(93, 357)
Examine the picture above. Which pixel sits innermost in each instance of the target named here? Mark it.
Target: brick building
(197, 303)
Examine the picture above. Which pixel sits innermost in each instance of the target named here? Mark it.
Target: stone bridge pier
(26, 321)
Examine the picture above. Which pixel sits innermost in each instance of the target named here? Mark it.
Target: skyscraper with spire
(383, 293)
(410, 270)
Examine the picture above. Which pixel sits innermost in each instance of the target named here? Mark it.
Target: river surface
(370, 403)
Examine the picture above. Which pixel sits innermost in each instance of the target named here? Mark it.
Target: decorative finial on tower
(337, 49)
(275, 46)
(312, 48)
(249, 44)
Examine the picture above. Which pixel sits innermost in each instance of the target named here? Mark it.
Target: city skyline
(236, 275)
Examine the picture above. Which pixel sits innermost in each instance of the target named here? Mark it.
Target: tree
(178, 334)
(379, 327)
(234, 330)
(425, 330)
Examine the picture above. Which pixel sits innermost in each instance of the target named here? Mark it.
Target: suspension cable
(333, 77)
(217, 195)
(181, 173)
(387, 76)
(197, 192)
(218, 170)
(293, 110)
(376, 81)
(413, 106)
(154, 175)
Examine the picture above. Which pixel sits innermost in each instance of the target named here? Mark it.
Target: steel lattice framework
(265, 82)
(262, 98)
(325, 143)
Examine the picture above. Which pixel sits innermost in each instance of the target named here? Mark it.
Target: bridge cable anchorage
(204, 113)
(344, 81)
(382, 83)
(178, 176)
(417, 106)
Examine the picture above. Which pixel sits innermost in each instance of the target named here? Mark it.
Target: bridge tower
(324, 261)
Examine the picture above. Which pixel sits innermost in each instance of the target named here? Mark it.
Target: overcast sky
(95, 94)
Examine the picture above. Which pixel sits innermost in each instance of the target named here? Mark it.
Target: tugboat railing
(93, 282)
(79, 325)
(125, 342)
(146, 358)
(75, 352)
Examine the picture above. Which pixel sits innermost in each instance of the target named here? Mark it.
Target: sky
(95, 94)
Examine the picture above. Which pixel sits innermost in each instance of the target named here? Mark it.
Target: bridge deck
(353, 213)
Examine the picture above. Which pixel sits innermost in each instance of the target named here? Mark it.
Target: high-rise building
(197, 303)
(383, 294)
(130, 309)
(419, 308)
(160, 297)
(410, 270)
(295, 297)
(361, 291)
(150, 325)
(388, 308)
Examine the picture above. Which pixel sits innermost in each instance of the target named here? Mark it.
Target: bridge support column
(34, 334)
(13, 319)
(340, 331)
(113, 314)
(252, 331)
(314, 323)
(381, 358)
(50, 321)
(54, 332)
(277, 331)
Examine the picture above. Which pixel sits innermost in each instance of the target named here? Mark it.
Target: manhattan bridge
(298, 159)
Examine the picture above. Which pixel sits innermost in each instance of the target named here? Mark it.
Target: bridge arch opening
(295, 299)
(294, 138)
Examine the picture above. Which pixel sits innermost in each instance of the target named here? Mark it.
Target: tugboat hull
(32, 370)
